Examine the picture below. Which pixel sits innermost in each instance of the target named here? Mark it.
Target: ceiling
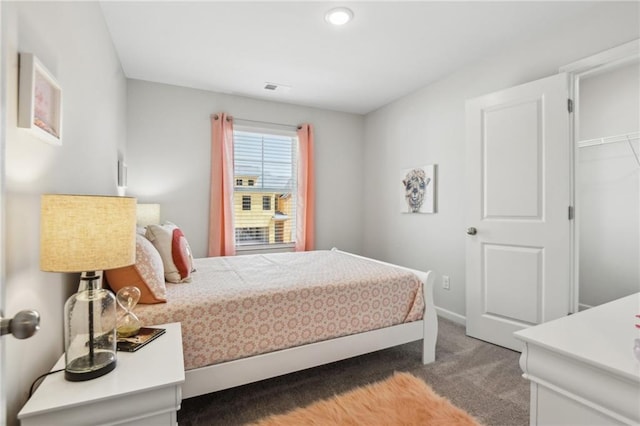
(389, 49)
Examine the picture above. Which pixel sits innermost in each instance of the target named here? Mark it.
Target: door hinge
(570, 105)
(571, 213)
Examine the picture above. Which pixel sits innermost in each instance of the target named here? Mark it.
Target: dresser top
(602, 336)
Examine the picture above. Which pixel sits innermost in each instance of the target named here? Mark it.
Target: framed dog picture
(419, 189)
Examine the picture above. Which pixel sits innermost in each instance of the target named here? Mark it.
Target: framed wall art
(419, 189)
(39, 100)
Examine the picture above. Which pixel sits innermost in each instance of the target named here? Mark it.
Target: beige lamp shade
(81, 233)
(148, 214)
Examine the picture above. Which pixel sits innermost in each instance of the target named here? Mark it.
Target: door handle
(472, 231)
(24, 325)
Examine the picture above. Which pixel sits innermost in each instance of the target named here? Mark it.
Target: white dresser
(144, 389)
(582, 367)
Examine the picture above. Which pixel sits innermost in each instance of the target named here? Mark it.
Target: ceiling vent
(276, 87)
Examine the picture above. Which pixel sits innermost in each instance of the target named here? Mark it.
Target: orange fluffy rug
(400, 400)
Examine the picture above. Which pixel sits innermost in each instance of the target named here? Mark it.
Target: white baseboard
(461, 319)
(451, 316)
(583, 307)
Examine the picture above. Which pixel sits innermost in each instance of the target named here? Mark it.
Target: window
(279, 232)
(248, 236)
(238, 182)
(266, 163)
(246, 202)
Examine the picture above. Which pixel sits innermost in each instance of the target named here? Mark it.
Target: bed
(249, 318)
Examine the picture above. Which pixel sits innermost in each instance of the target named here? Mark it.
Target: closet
(608, 185)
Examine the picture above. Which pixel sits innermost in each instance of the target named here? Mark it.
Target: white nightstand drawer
(145, 388)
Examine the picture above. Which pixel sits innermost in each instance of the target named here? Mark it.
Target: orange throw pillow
(147, 274)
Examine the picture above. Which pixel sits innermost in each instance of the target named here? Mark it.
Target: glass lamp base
(87, 368)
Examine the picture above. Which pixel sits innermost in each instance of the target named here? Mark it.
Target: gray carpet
(483, 379)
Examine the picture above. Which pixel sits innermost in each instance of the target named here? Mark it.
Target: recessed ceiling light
(339, 16)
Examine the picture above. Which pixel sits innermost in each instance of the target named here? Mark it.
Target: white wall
(608, 187)
(168, 158)
(168, 155)
(72, 41)
(428, 126)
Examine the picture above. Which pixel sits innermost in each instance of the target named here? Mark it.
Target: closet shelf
(627, 137)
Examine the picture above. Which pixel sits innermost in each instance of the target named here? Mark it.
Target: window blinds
(265, 186)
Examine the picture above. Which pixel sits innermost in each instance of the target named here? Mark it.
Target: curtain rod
(229, 118)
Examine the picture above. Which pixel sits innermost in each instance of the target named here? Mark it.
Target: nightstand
(144, 389)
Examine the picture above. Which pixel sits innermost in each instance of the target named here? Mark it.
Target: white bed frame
(212, 378)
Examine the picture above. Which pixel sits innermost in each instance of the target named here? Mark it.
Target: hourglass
(128, 324)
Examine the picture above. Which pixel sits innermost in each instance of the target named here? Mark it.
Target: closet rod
(627, 137)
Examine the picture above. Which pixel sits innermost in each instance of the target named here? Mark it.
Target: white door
(3, 399)
(518, 250)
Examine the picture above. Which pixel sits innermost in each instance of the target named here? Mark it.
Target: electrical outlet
(445, 282)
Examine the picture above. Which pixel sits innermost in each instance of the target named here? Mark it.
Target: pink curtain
(305, 208)
(221, 232)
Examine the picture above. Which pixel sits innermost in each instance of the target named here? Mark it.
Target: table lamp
(88, 234)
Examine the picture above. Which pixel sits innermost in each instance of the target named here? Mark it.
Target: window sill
(265, 248)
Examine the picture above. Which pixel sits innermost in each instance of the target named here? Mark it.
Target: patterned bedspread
(247, 305)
